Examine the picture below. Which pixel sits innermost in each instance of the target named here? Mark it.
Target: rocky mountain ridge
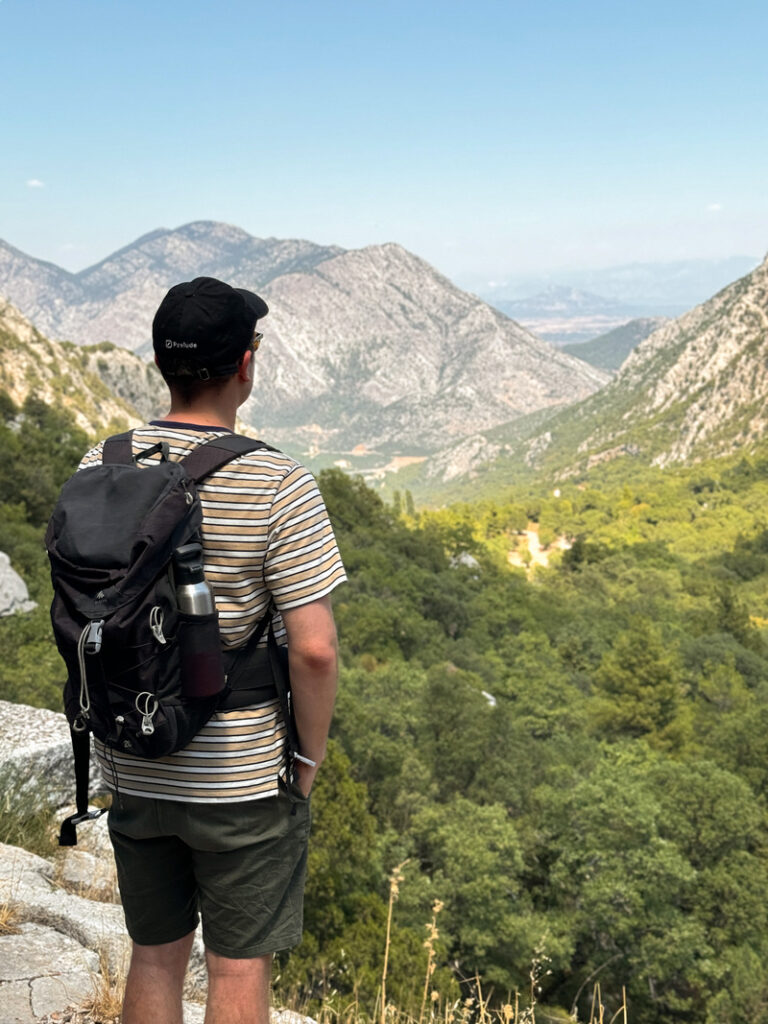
(364, 350)
(398, 357)
(706, 374)
(115, 299)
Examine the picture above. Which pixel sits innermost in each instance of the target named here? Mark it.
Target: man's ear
(245, 369)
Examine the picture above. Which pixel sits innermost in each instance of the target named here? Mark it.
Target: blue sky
(489, 137)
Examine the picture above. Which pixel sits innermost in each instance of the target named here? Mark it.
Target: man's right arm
(313, 662)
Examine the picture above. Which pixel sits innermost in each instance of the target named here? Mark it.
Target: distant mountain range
(375, 361)
(594, 302)
(651, 289)
(367, 352)
(567, 316)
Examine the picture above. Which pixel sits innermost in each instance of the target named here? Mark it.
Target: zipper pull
(156, 624)
(147, 706)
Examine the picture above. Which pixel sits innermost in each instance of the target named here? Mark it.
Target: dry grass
(106, 1003)
(9, 919)
(476, 1007)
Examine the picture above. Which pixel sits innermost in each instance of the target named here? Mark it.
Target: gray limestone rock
(14, 596)
(50, 965)
(26, 884)
(85, 874)
(41, 971)
(36, 766)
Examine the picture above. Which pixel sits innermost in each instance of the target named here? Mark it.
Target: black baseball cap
(203, 327)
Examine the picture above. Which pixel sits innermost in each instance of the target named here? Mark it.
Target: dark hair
(189, 389)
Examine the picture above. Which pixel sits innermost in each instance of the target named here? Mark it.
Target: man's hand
(313, 663)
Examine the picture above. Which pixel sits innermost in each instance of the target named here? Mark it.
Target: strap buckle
(88, 816)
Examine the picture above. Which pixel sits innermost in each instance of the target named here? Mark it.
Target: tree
(640, 685)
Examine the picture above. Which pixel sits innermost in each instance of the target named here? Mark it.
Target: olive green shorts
(241, 865)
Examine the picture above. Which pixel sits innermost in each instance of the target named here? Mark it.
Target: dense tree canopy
(572, 760)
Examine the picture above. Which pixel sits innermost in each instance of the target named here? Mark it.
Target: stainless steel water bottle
(193, 595)
(202, 666)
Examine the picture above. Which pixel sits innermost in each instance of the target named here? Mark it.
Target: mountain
(563, 301)
(115, 300)
(697, 387)
(610, 350)
(375, 348)
(364, 349)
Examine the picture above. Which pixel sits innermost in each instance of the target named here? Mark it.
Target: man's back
(266, 540)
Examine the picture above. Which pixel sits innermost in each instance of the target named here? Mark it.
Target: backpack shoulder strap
(118, 449)
(212, 455)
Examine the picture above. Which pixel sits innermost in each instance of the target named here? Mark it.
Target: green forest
(567, 763)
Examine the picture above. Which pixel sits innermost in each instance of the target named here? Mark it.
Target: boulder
(14, 596)
(36, 763)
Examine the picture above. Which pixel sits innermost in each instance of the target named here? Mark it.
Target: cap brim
(257, 305)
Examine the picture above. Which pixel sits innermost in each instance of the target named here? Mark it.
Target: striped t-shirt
(266, 536)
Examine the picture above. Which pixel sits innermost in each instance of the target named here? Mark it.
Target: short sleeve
(302, 562)
(93, 457)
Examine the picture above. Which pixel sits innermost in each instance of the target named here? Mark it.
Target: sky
(489, 137)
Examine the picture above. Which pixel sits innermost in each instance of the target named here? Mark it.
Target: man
(223, 824)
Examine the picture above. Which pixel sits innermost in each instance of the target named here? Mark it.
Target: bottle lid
(188, 564)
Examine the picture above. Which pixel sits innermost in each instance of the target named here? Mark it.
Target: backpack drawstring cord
(84, 696)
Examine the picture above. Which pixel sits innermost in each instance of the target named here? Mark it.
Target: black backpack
(110, 541)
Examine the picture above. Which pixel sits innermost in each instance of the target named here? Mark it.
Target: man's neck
(202, 415)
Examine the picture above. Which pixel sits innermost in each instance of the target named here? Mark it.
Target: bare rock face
(712, 362)
(14, 596)
(61, 939)
(27, 886)
(116, 299)
(128, 377)
(376, 347)
(36, 768)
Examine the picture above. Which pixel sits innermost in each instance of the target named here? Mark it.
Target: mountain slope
(698, 386)
(695, 388)
(59, 374)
